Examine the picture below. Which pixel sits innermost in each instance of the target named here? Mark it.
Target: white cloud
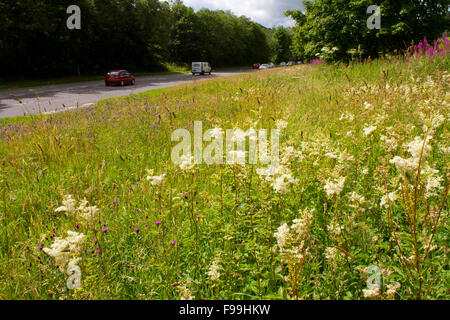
(269, 13)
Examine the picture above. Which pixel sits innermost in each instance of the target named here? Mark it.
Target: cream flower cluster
(66, 251)
(187, 163)
(334, 187)
(155, 180)
(291, 239)
(213, 272)
(83, 211)
(280, 177)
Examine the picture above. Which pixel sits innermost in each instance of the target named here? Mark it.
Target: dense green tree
(215, 36)
(139, 35)
(283, 42)
(342, 25)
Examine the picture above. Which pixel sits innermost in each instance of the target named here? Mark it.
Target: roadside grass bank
(360, 190)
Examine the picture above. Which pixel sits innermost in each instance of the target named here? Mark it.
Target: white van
(201, 68)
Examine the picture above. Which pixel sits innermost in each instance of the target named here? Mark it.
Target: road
(47, 99)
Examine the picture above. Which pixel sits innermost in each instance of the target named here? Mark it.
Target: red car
(256, 65)
(121, 77)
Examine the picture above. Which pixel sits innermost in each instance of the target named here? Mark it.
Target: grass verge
(355, 209)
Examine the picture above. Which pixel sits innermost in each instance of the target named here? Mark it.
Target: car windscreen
(196, 65)
(113, 73)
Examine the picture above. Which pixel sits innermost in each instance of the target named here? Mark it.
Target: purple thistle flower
(115, 202)
(52, 235)
(104, 230)
(99, 251)
(173, 243)
(158, 223)
(94, 240)
(39, 246)
(136, 229)
(91, 251)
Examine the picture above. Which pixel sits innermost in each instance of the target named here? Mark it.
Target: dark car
(256, 65)
(119, 77)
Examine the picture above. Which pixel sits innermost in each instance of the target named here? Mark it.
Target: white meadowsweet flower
(187, 163)
(419, 147)
(289, 153)
(347, 116)
(371, 293)
(334, 187)
(84, 212)
(335, 228)
(367, 105)
(303, 225)
(88, 214)
(391, 143)
(331, 155)
(432, 122)
(282, 235)
(68, 205)
(59, 250)
(271, 171)
(387, 199)
(64, 251)
(369, 130)
(392, 289)
(405, 165)
(185, 293)
(156, 180)
(213, 272)
(355, 197)
(433, 182)
(281, 183)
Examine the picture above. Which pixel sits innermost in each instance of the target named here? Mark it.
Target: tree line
(139, 35)
(145, 35)
(336, 30)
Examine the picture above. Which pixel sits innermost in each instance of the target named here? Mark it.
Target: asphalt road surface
(48, 99)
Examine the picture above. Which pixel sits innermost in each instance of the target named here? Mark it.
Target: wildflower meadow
(93, 207)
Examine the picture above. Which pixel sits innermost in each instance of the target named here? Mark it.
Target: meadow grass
(363, 181)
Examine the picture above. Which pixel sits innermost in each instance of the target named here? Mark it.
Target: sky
(269, 13)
